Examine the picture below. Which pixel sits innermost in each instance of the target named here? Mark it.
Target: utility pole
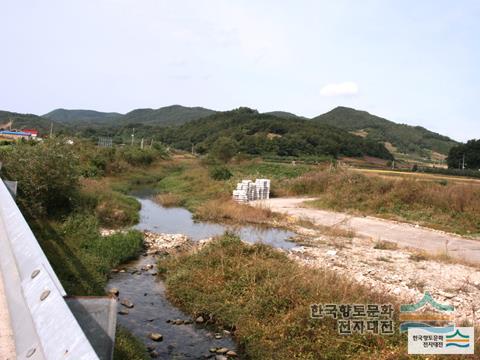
(151, 144)
(141, 144)
(51, 129)
(133, 135)
(393, 164)
(463, 161)
(192, 148)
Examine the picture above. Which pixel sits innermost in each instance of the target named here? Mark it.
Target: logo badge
(441, 340)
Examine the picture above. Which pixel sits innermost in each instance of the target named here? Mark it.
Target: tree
(465, 154)
(224, 149)
(47, 175)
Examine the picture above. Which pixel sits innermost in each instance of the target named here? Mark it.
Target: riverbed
(152, 312)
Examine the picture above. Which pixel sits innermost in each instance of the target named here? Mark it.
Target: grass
(452, 207)
(168, 200)
(385, 245)
(112, 208)
(228, 211)
(128, 347)
(81, 257)
(190, 182)
(265, 297)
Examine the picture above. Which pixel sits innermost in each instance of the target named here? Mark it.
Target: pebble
(123, 312)
(218, 336)
(127, 303)
(221, 357)
(331, 252)
(200, 320)
(222, 351)
(114, 291)
(231, 353)
(156, 336)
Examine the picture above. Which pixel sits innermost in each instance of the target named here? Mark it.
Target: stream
(152, 312)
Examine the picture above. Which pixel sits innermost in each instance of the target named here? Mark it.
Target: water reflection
(156, 218)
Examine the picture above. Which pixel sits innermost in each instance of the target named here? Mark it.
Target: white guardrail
(44, 327)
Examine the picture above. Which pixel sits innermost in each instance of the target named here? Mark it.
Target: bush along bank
(65, 213)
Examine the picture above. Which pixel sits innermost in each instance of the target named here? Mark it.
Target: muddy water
(151, 308)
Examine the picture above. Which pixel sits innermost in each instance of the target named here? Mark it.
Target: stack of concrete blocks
(248, 190)
(262, 187)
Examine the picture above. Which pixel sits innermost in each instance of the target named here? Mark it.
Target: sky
(413, 62)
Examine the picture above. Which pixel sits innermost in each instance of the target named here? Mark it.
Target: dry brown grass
(168, 200)
(227, 210)
(442, 257)
(450, 207)
(265, 297)
(385, 245)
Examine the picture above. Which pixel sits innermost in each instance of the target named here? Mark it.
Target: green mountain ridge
(166, 116)
(262, 134)
(73, 116)
(24, 121)
(284, 115)
(406, 138)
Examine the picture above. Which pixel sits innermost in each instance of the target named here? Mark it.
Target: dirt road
(405, 235)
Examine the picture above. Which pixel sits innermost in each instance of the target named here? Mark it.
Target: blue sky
(416, 62)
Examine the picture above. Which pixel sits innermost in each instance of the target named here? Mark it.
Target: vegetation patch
(264, 297)
(168, 200)
(128, 347)
(227, 210)
(451, 207)
(385, 245)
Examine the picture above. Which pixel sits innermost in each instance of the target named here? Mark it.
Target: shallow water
(151, 312)
(147, 292)
(156, 218)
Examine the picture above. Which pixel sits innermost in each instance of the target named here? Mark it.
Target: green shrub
(220, 173)
(47, 175)
(138, 157)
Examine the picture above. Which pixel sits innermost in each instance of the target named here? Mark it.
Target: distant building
(33, 133)
(14, 135)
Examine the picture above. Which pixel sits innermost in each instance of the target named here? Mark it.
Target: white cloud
(340, 89)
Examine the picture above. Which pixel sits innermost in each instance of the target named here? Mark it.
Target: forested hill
(76, 116)
(407, 139)
(169, 115)
(24, 121)
(284, 114)
(165, 116)
(258, 134)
